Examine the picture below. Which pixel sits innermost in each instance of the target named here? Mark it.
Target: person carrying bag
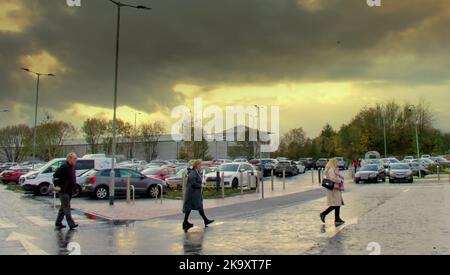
(333, 182)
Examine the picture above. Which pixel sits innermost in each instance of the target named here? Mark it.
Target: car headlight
(32, 176)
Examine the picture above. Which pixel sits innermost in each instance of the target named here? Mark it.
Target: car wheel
(411, 181)
(383, 179)
(101, 192)
(154, 191)
(43, 189)
(391, 181)
(357, 181)
(235, 184)
(5, 181)
(77, 192)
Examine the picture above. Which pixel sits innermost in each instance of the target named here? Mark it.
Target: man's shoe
(60, 226)
(339, 223)
(75, 226)
(208, 222)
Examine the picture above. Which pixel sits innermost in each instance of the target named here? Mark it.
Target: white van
(41, 181)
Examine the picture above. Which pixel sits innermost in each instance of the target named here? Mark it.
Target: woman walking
(194, 197)
(334, 197)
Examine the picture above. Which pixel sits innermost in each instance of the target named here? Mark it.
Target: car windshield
(228, 168)
(369, 168)
(400, 167)
(151, 171)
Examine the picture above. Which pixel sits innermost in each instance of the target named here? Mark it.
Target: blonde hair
(332, 164)
(196, 163)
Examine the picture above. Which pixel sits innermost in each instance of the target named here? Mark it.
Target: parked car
(289, 166)
(321, 163)
(401, 172)
(137, 165)
(162, 172)
(343, 165)
(408, 158)
(419, 169)
(370, 173)
(265, 165)
(442, 162)
(13, 174)
(41, 181)
(232, 173)
(309, 163)
(240, 160)
(176, 182)
(219, 162)
(97, 185)
(301, 168)
(7, 165)
(426, 156)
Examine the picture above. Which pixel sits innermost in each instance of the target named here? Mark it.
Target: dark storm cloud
(211, 42)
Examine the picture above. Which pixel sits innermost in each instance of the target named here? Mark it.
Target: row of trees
(365, 132)
(98, 135)
(16, 142)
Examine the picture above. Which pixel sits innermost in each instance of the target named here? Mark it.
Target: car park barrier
(312, 175)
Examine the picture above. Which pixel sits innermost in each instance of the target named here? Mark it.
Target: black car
(265, 165)
(289, 166)
(309, 163)
(370, 173)
(321, 163)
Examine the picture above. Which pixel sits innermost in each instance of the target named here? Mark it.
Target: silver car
(97, 183)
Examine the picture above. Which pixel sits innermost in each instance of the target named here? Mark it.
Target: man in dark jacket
(66, 184)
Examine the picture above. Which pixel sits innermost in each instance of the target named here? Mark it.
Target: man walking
(65, 184)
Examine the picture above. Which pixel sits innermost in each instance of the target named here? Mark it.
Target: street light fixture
(36, 106)
(119, 7)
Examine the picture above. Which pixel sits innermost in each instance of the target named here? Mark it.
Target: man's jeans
(65, 210)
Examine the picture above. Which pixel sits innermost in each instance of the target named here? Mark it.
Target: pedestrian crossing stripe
(40, 221)
(6, 224)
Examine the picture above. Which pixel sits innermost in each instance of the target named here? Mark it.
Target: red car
(161, 173)
(13, 175)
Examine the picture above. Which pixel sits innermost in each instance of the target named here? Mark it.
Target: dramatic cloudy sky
(319, 60)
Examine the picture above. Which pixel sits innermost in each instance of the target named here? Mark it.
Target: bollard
(217, 181)
(312, 174)
(54, 199)
(439, 175)
(249, 180)
(272, 177)
(262, 187)
(241, 182)
(257, 182)
(128, 189)
(222, 181)
(184, 187)
(284, 180)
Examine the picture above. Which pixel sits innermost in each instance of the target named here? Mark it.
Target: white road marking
(6, 224)
(25, 241)
(40, 221)
(335, 230)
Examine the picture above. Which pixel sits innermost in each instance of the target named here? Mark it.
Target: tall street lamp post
(119, 6)
(36, 107)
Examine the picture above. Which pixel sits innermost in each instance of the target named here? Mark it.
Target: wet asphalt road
(394, 219)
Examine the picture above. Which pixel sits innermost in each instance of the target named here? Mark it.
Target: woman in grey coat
(194, 197)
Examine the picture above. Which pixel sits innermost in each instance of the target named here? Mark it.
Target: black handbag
(328, 184)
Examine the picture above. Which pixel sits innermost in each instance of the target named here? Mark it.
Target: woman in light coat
(334, 197)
